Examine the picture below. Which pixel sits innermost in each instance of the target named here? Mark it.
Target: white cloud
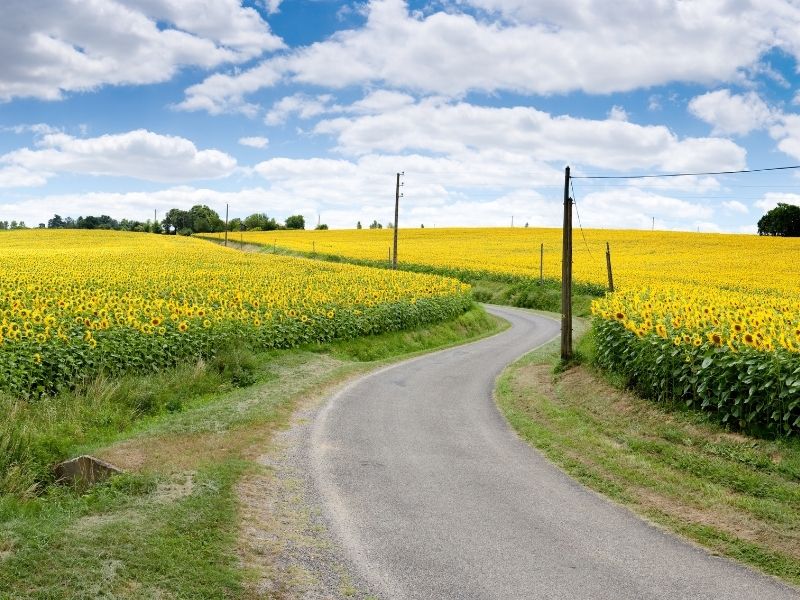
(140, 154)
(272, 6)
(379, 101)
(632, 208)
(787, 131)
(53, 46)
(771, 200)
(15, 177)
(586, 45)
(301, 105)
(221, 93)
(735, 206)
(434, 125)
(254, 141)
(617, 113)
(737, 114)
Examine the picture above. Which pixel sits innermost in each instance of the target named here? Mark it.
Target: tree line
(198, 219)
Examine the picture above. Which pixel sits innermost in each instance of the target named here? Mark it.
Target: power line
(575, 202)
(684, 174)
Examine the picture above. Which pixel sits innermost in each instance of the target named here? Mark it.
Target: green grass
(739, 496)
(168, 527)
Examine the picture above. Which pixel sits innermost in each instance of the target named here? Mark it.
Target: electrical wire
(684, 174)
(575, 202)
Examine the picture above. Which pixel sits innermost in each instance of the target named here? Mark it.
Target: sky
(132, 107)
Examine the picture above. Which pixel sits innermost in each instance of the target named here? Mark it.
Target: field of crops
(74, 304)
(640, 258)
(707, 319)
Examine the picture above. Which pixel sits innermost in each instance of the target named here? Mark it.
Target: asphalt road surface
(431, 495)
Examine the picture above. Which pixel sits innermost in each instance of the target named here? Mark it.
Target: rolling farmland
(707, 319)
(76, 304)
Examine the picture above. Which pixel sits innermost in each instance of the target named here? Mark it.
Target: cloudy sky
(123, 107)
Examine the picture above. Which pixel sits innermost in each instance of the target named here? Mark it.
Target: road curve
(431, 495)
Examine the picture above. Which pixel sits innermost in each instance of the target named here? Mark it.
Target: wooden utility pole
(226, 224)
(396, 214)
(541, 263)
(608, 266)
(566, 275)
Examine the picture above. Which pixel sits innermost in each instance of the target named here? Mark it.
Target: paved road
(431, 495)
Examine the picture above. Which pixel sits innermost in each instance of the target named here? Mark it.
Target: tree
(56, 222)
(375, 225)
(177, 220)
(295, 222)
(783, 220)
(261, 222)
(205, 220)
(321, 226)
(235, 224)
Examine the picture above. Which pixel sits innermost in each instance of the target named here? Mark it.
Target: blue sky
(123, 107)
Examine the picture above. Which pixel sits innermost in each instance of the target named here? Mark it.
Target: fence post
(608, 266)
(541, 264)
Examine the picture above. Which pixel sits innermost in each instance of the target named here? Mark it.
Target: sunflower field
(76, 304)
(710, 320)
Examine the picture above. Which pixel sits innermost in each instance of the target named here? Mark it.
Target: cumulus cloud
(772, 199)
(301, 105)
(787, 132)
(587, 45)
(736, 114)
(17, 177)
(742, 113)
(140, 154)
(254, 141)
(55, 46)
(438, 126)
(223, 93)
(736, 207)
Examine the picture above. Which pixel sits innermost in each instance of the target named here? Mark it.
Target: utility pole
(608, 268)
(654, 224)
(396, 215)
(226, 225)
(566, 275)
(512, 220)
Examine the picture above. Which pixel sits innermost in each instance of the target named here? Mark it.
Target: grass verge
(169, 526)
(738, 496)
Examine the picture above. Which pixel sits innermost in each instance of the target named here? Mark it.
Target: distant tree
(422, 226)
(205, 220)
(260, 221)
(358, 225)
(3, 225)
(783, 220)
(526, 223)
(295, 222)
(389, 225)
(321, 226)
(375, 225)
(176, 220)
(42, 225)
(235, 224)
(56, 222)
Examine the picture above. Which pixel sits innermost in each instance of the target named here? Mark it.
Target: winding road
(431, 495)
